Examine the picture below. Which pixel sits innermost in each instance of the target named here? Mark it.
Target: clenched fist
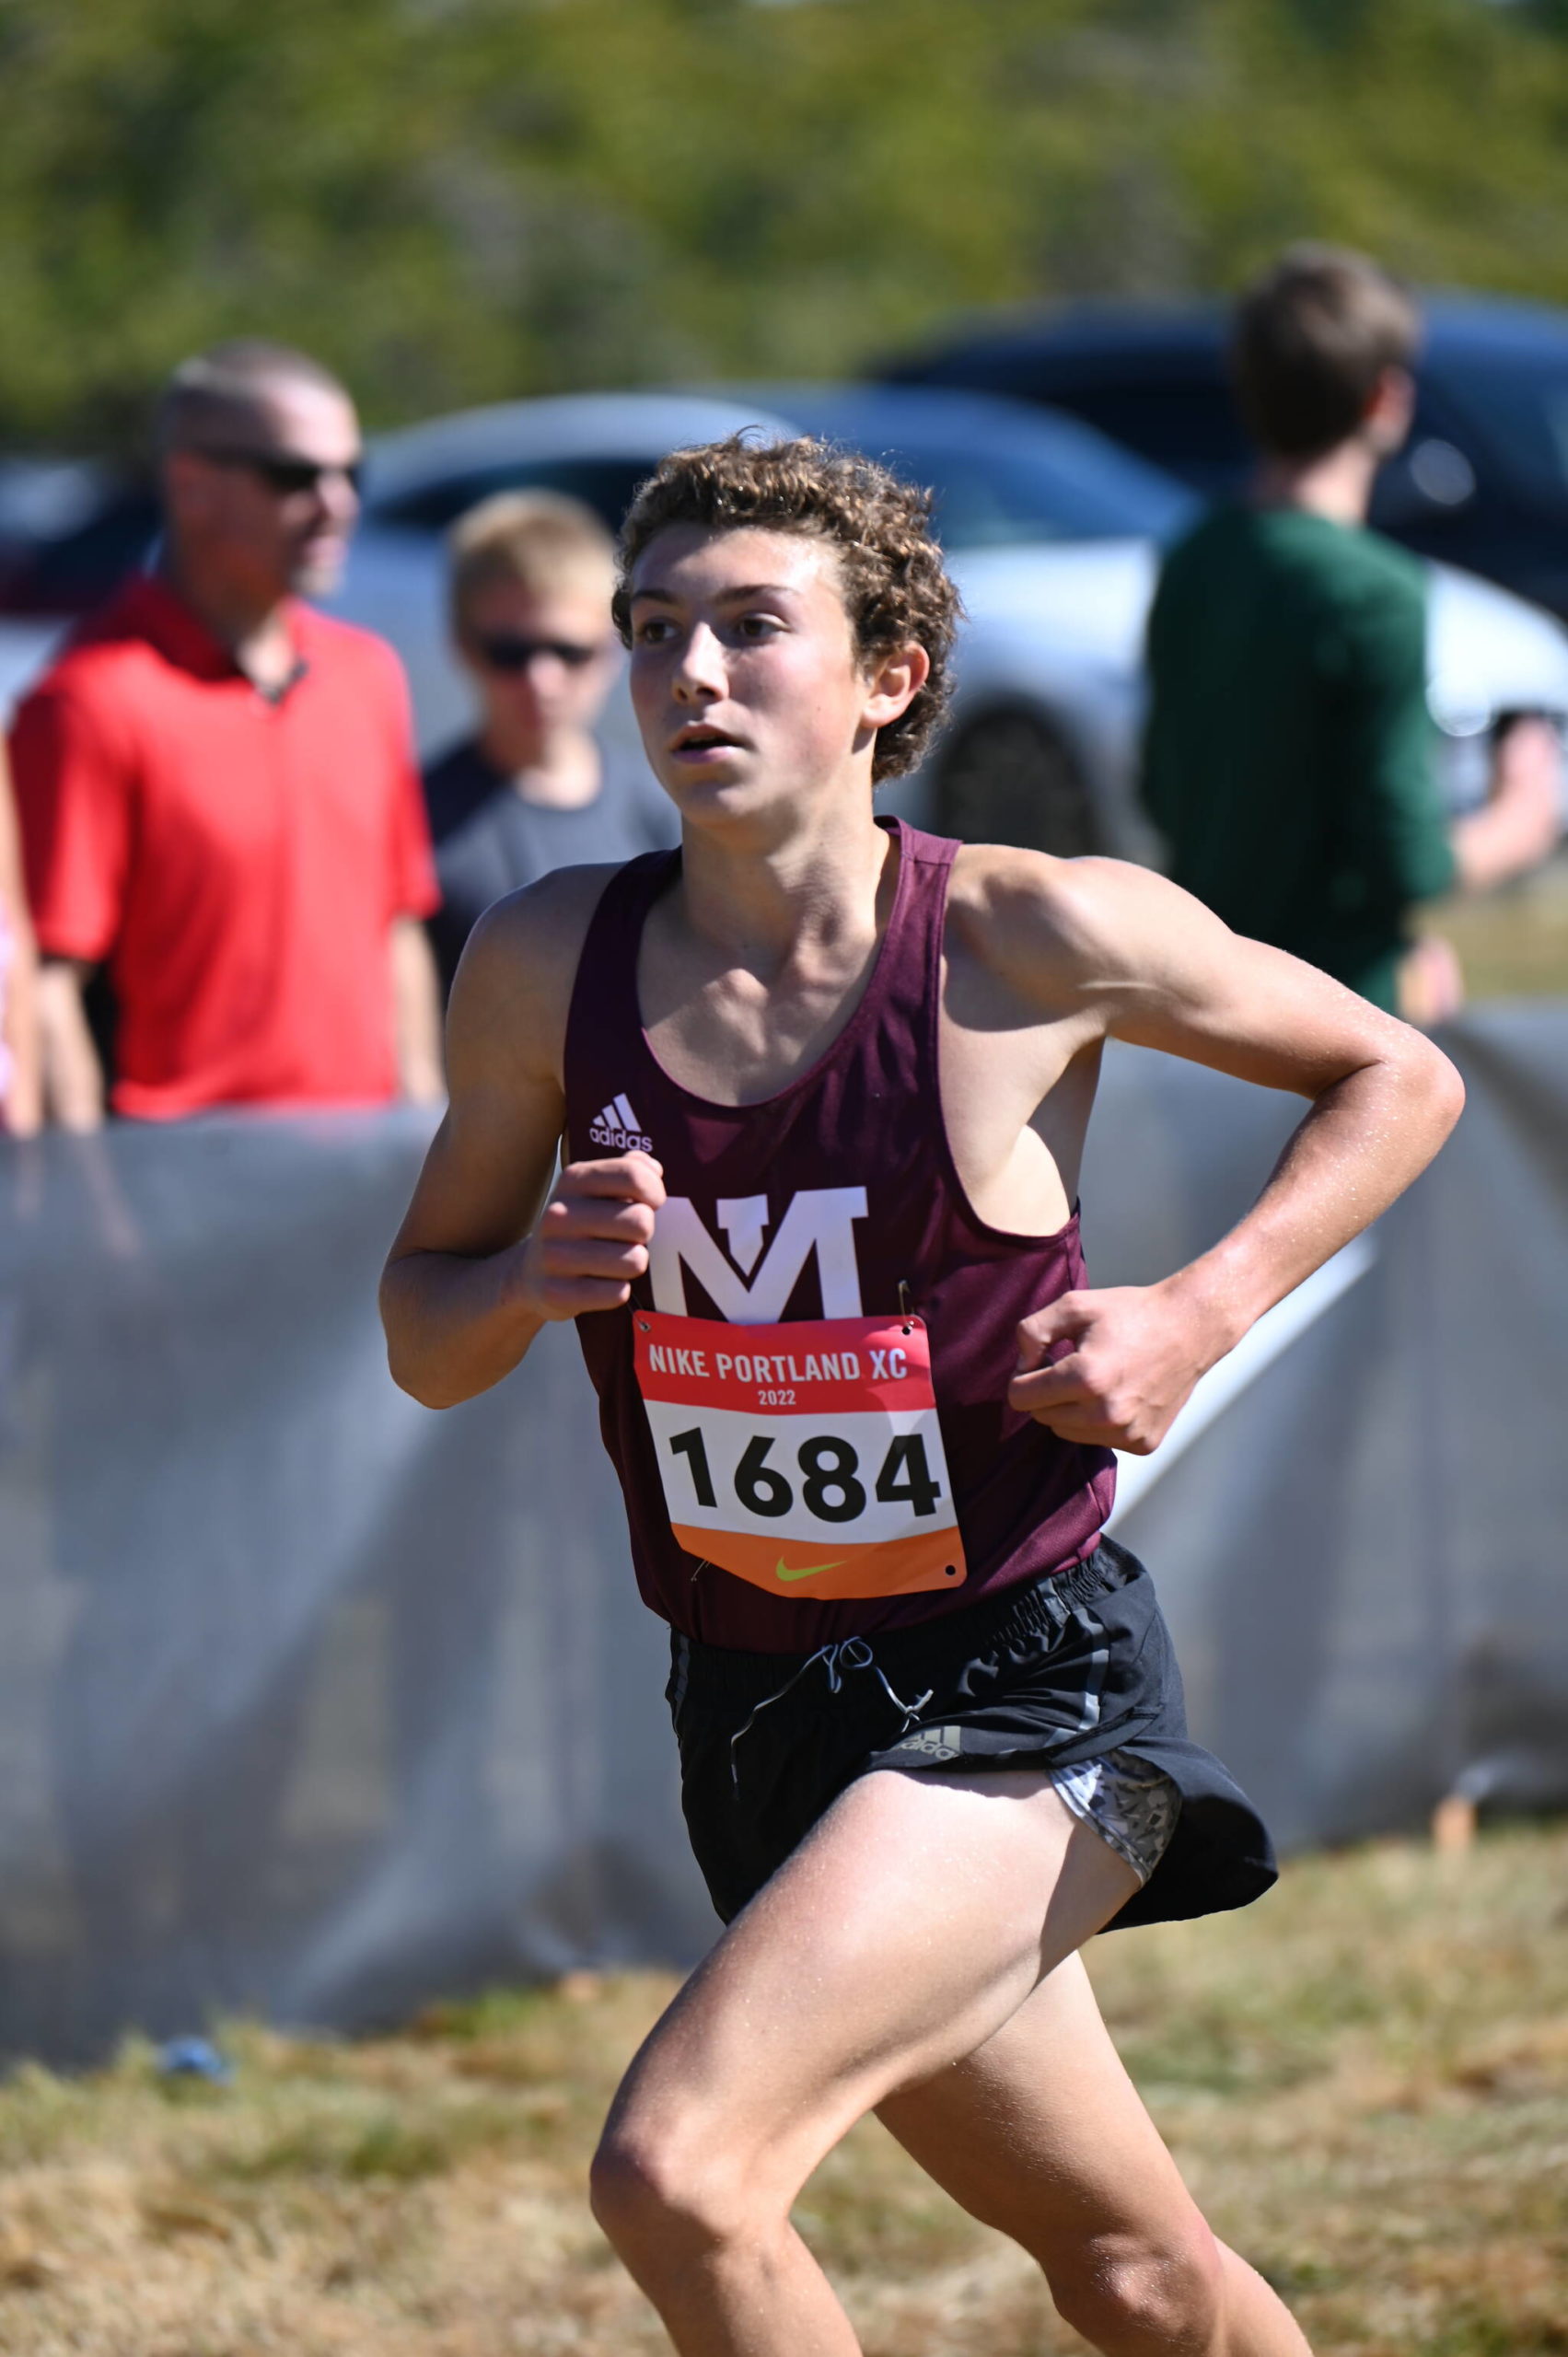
(591, 1239)
(1134, 1354)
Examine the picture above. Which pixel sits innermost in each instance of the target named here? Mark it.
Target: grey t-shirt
(489, 840)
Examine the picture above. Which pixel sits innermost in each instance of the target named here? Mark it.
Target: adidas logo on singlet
(619, 1128)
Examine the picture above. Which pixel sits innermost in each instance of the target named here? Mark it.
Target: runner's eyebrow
(725, 597)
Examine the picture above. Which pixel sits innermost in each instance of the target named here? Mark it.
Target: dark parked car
(1483, 481)
(70, 530)
(69, 533)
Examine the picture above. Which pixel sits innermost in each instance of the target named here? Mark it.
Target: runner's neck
(735, 1015)
(790, 903)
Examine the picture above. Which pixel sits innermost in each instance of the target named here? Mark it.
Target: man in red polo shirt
(217, 787)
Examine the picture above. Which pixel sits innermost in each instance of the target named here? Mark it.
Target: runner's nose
(700, 677)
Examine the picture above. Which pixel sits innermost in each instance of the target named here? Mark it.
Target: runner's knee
(1140, 2299)
(664, 2190)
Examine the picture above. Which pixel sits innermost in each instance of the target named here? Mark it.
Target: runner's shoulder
(1053, 930)
(543, 925)
(514, 982)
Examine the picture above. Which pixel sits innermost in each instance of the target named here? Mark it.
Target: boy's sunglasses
(285, 476)
(504, 651)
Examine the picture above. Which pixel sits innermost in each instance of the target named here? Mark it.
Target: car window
(77, 569)
(1190, 426)
(605, 485)
(999, 479)
(1517, 406)
(1175, 410)
(1013, 496)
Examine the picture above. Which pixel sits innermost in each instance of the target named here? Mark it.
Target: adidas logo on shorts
(933, 1743)
(619, 1128)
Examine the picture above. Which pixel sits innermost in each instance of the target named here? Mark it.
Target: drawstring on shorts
(848, 1652)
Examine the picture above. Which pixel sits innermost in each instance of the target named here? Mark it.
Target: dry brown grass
(1512, 944)
(1366, 2080)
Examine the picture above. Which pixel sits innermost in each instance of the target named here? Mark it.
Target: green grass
(1365, 2079)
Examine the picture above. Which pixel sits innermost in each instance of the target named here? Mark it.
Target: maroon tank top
(810, 1387)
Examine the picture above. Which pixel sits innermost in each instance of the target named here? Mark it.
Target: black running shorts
(1069, 1671)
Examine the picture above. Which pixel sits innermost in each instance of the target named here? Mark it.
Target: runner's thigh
(913, 1920)
(1041, 2133)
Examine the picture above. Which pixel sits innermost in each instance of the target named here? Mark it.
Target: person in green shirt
(1288, 751)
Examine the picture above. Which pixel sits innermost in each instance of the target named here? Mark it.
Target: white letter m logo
(820, 1219)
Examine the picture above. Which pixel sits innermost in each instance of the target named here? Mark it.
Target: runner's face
(748, 686)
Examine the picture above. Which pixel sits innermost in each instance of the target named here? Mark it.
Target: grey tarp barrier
(315, 1704)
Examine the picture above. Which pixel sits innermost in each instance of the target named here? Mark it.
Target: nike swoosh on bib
(805, 1570)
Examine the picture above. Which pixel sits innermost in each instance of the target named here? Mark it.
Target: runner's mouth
(700, 738)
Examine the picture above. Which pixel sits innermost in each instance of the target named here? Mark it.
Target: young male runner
(828, 1285)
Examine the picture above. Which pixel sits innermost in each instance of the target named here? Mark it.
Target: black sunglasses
(504, 651)
(283, 474)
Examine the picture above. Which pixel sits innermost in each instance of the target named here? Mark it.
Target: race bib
(807, 1457)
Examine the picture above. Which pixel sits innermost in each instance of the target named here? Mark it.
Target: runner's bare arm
(1146, 963)
(482, 1261)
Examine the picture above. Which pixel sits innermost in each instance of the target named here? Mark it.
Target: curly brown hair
(896, 590)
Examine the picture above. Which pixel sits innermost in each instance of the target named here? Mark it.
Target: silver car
(1051, 533)
(1040, 747)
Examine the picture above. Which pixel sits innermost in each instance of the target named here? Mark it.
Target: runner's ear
(895, 679)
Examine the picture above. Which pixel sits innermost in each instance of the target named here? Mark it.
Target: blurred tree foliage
(458, 200)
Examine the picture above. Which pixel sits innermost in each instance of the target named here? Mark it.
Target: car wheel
(1009, 778)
